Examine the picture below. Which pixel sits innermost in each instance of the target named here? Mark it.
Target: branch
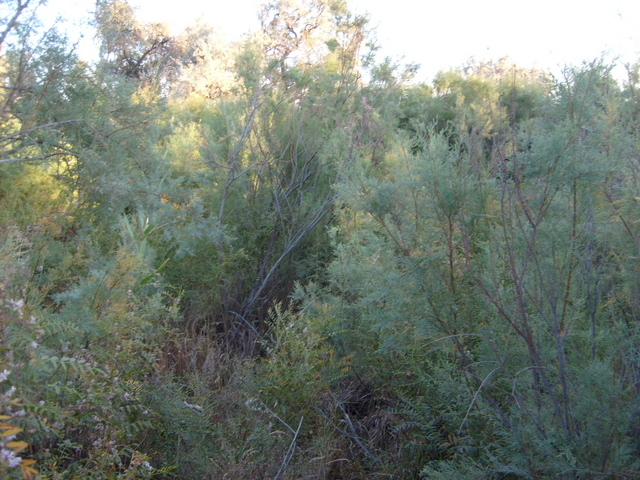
(451, 336)
(322, 212)
(289, 455)
(39, 127)
(475, 396)
(248, 324)
(33, 159)
(11, 24)
(353, 436)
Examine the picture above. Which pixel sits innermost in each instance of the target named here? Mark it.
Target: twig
(322, 211)
(475, 396)
(289, 455)
(353, 436)
(451, 336)
(248, 324)
(275, 415)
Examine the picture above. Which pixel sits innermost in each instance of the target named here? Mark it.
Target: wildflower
(10, 458)
(17, 304)
(11, 391)
(4, 375)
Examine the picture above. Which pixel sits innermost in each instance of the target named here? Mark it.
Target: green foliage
(502, 292)
(79, 370)
(244, 261)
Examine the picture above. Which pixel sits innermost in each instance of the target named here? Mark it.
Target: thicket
(281, 258)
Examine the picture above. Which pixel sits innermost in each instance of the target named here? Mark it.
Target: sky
(440, 35)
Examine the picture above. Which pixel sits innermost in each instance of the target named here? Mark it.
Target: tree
(145, 52)
(501, 265)
(270, 146)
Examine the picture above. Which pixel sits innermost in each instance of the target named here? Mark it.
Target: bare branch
(289, 455)
(322, 212)
(11, 24)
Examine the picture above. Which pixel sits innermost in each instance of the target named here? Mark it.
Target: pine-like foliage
(277, 258)
(498, 279)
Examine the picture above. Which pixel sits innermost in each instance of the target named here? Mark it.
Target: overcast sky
(440, 35)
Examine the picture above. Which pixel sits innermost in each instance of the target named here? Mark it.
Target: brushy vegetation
(244, 261)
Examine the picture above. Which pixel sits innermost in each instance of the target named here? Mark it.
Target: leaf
(150, 228)
(8, 433)
(127, 225)
(142, 249)
(6, 426)
(27, 471)
(28, 462)
(164, 264)
(146, 280)
(17, 446)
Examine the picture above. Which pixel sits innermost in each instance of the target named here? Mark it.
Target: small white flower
(10, 458)
(4, 375)
(11, 391)
(17, 304)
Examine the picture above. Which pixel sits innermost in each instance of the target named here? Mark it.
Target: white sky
(440, 34)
